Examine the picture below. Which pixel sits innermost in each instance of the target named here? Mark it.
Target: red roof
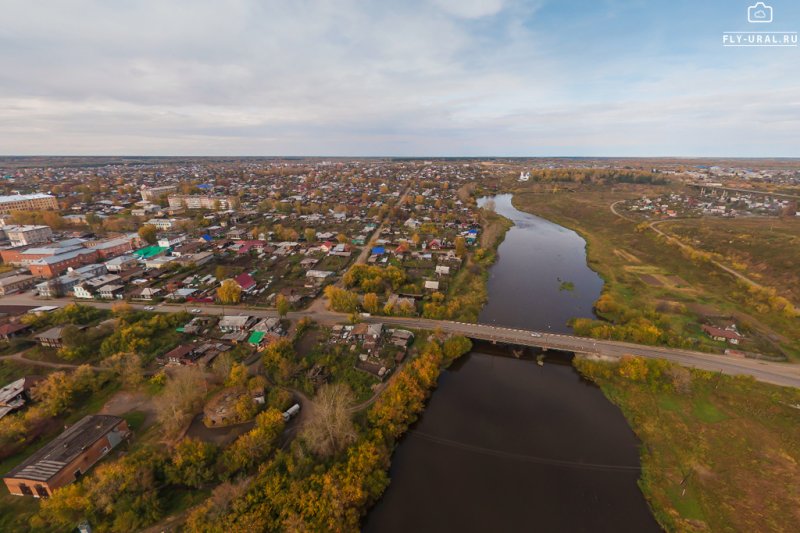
(245, 281)
(11, 328)
(722, 333)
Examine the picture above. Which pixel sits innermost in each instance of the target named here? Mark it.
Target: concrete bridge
(784, 374)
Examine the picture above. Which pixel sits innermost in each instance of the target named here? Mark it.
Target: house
(147, 293)
(431, 285)
(111, 292)
(184, 354)
(246, 282)
(442, 270)
(16, 394)
(318, 275)
(52, 338)
(235, 323)
(729, 335)
(13, 329)
(67, 457)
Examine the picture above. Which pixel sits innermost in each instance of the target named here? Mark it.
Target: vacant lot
(765, 249)
(718, 453)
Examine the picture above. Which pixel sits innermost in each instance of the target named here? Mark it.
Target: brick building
(67, 457)
(27, 202)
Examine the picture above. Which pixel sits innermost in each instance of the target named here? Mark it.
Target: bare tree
(182, 397)
(330, 427)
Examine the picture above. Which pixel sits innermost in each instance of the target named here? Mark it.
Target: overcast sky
(395, 77)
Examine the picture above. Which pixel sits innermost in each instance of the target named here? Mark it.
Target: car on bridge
(536, 335)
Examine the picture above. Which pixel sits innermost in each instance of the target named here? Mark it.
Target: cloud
(349, 77)
(471, 9)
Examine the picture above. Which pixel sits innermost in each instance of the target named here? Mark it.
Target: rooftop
(49, 460)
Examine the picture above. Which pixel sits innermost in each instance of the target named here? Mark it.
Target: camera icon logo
(760, 13)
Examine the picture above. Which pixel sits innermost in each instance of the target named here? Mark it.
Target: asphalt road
(784, 374)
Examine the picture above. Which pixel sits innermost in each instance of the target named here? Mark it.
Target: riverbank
(469, 291)
(652, 294)
(718, 453)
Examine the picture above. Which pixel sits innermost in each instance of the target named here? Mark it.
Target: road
(784, 374)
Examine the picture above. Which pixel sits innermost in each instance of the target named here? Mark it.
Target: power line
(523, 457)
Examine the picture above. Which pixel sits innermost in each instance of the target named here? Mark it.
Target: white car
(148, 307)
(196, 311)
(536, 335)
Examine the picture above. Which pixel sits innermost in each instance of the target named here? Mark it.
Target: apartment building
(25, 235)
(27, 202)
(154, 194)
(198, 201)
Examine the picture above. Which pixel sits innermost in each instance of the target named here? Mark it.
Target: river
(505, 444)
(540, 279)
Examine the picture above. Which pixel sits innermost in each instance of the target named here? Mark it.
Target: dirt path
(125, 402)
(18, 357)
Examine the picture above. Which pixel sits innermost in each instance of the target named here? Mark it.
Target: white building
(25, 235)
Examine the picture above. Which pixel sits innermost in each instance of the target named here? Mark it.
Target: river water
(540, 279)
(505, 444)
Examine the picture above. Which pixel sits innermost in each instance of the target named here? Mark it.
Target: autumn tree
(229, 292)
(371, 302)
(329, 428)
(255, 446)
(310, 234)
(191, 463)
(282, 305)
(182, 396)
(341, 300)
(278, 359)
(461, 246)
(148, 233)
(237, 376)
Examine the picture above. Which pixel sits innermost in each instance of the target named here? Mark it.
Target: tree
(341, 300)
(461, 247)
(283, 305)
(148, 233)
(330, 427)
(371, 302)
(182, 397)
(310, 234)
(278, 359)
(455, 347)
(191, 463)
(129, 368)
(342, 238)
(255, 446)
(237, 377)
(229, 292)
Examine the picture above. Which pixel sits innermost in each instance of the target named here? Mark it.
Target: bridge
(784, 374)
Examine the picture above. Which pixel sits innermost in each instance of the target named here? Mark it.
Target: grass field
(718, 453)
(645, 276)
(766, 249)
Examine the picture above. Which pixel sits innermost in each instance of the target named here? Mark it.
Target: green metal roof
(148, 252)
(255, 337)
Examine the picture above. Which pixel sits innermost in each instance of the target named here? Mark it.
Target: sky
(395, 78)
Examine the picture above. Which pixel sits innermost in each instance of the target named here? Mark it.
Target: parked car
(148, 307)
(196, 311)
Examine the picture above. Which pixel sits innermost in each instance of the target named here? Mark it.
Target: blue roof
(473, 231)
(378, 250)
(204, 186)
(207, 237)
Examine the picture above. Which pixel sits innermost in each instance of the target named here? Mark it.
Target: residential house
(236, 323)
